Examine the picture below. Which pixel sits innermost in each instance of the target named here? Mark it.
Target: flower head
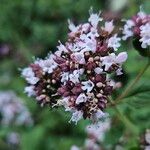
(77, 75)
(95, 135)
(139, 28)
(13, 111)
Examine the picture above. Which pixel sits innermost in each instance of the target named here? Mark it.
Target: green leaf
(32, 139)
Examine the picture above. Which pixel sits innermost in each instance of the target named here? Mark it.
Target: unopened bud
(53, 81)
(88, 71)
(101, 91)
(87, 53)
(95, 100)
(99, 84)
(48, 81)
(99, 95)
(67, 62)
(43, 73)
(47, 99)
(97, 58)
(43, 90)
(91, 59)
(48, 86)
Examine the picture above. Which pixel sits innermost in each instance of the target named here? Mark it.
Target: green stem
(127, 90)
(133, 129)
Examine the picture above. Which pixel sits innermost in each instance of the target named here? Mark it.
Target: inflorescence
(78, 75)
(95, 136)
(13, 111)
(138, 27)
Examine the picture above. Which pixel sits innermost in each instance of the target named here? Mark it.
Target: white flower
(85, 27)
(127, 31)
(32, 80)
(76, 47)
(79, 57)
(119, 71)
(74, 77)
(98, 70)
(141, 14)
(94, 19)
(65, 102)
(27, 72)
(113, 59)
(76, 116)
(98, 129)
(61, 48)
(48, 65)
(81, 98)
(109, 27)
(85, 43)
(89, 44)
(13, 110)
(145, 35)
(72, 27)
(29, 75)
(147, 147)
(121, 58)
(93, 33)
(65, 77)
(24, 118)
(8, 113)
(113, 42)
(74, 148)
(30, 91)
(100, 114)
(13, 138)
(87, 85)
(91, 145)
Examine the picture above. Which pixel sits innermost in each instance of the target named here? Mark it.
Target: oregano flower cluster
(13, 111)
(138, 27)
(78, 75)
(95, 135)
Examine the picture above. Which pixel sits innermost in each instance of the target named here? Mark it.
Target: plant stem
(127, 90)
(133, 129)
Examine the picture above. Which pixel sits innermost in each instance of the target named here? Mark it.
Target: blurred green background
(31, 28)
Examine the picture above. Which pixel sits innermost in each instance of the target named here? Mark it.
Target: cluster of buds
(138, 27)
(43, 78)
(77, 75)
(13, 111)
(95, 136)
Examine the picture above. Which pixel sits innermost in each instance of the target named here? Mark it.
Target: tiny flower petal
(30, 91)
(109, 27)
(81, 98)
(87, 85)
(145, 35)
(76, 116)
(94, 19)
(113, 42)
(98, 70)
(122, 57)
